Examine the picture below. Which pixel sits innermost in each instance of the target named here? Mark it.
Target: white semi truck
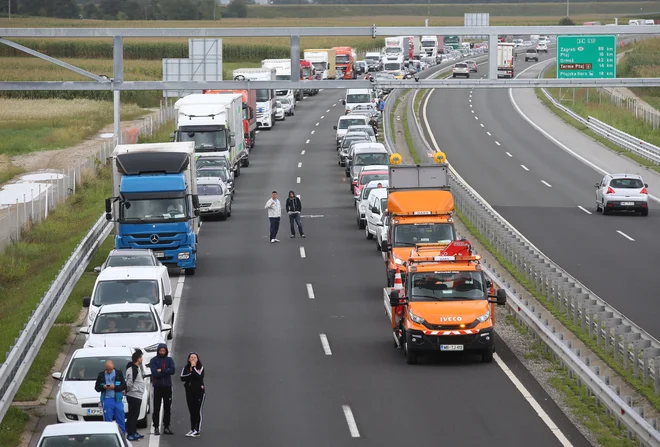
(282, 69)
(320, 61)
(505, 59)
(266, 101)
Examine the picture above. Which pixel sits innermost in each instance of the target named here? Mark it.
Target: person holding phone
(111, 384)
(274, 214)
(192, 376)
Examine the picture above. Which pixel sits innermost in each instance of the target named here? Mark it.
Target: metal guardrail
(27, 346)
(572, 299)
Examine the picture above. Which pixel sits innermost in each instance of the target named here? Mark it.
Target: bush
(566, 21)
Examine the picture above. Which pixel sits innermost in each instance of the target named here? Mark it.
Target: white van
(116, 285)
(346, 121)
(359, 97)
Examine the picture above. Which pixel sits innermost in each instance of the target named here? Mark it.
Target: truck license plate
(451, 347)
(627, 203)
(159, 254)
(95, 411)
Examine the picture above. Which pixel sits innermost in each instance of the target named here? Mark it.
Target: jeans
(134, 405)
(274, 227)
(114, 411)
(295, 217)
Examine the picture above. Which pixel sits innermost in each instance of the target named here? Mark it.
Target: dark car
(373, 66)
(360, 67)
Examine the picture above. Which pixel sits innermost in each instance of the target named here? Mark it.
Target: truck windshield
(428, 43)
(283, 77)
(392, 50)
(263, 95)
(206, 141)
(306, 72)
(358, 98)
(407, 235)
(321, 66)
(153, 210)
(126, 291)
(447, 286)
(372, 58)
(392, 66)
(342, 59)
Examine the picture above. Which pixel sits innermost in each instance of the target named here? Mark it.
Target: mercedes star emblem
(153, 238)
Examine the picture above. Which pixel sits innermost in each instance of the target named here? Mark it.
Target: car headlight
(415, 318)
(216, 204)
(185, 255)
(70, 398)
(152, 348)
(484, 317)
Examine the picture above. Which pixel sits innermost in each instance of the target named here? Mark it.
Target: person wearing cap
(192, 376)
(294, 207)
(274, 209)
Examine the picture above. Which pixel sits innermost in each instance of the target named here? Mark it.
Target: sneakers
(272, 241)
(302, 235)
(156, 431)
(138, 435)
(132, 438)
(167, 431)
(276, 240)
(292, 236)
(189, 434)
(193, 434)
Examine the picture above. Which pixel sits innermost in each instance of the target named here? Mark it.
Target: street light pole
(568, 2)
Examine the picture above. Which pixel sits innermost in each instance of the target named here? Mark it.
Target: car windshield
(408, 235)
(383, 203)
(212, 141)
(460, 66)
(447, 286)
(91, 440)
(211, 172)
(345, 123)
(531, 51)
(342, 59)
(209, 190)
(627, 183)
(263, 95)
(392, 50)
(366, 178)
(153, 210)
(126, 291)
(346, 143)
(371, 159)
(358, 98)
(87, 368)
(124, 323)
(204, 162)
(319, 66)
(368, 130)
(284, 100)
(130, 260)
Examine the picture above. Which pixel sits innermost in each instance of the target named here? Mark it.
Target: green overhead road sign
(580, 57)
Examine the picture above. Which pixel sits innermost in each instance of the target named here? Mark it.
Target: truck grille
(165, 240)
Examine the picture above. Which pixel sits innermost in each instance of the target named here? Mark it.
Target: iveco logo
(153, 238)
(451, 319)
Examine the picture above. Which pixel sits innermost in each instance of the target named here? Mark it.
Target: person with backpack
(134, 391)
(192, 376)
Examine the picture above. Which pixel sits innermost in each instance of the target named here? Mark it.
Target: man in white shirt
(274, 213)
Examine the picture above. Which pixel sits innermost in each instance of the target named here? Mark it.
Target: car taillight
(644, 191)
(609, 190)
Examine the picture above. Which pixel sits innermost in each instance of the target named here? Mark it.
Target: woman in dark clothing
(192, 377)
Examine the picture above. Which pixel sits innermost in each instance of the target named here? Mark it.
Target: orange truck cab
(344, 62)
(308, 73)
(249, 114)
(420, 207)
(447, 303)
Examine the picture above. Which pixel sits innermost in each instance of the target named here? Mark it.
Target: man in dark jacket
(294, 207)
(111, 384)
(162, 369)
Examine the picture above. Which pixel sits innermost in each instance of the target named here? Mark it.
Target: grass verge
(8, 170)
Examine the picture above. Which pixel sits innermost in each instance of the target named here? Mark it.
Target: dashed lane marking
(350, 420)
(325, 344)
(302, 252)
(625, 235)
(584, 209)
(524, 167)
(509, 154)
(546, 183)
(310, 292)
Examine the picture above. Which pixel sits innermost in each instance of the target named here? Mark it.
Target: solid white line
(509, 154)
(488, 133)
(297, 179)
(313, 132)
(546, 183)
(625, 235)
(327, 111)
(584, 209)
(300, 164)
(302, 152)
(326, 345)
(317, 124)
(350, 420)
(302, 252)
(322, 116)
(497, 142)
(534, 404)
(307, 142)
(310, 292)
(524, 167)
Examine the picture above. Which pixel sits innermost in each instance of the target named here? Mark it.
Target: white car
(362, 204)
(77, 400)
(381, 234)
(131, 325)
(376, 206)
(225, 176)
(116, 285)
(348, 120)
(288, 105)
(214, 198)
(622, 192)
(542, 46)
(279, 111)
(83, 434)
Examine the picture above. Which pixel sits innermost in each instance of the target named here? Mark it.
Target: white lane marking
(313, 132)
(498, 143)
(334, 105)
(257, 131)
(524, 167)
(302, 252)
(326, 345)
(553, 139)
(476, 118)
(327, 111)
(625, 235)
(584, 209)
(470, 99)
(317, 124)
(302, 152)
(471, 107)
(533, 403)
(307, 142)
(322, 116)
(509, 154)
(300, 164)
(472, 111)
(297, 179)
(310, 292)
(488, 133)
(350, 420)
(546, 183)
(481, 125)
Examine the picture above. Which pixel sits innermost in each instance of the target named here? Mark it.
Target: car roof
(125, 307)
(356, 91)
(637, 176)
(378, 147)
(131, 251)
(359, 126)
(369, 168)
(114, 351)
(208, 181)
(349, 116)
(80, 428)
(211, 168)
(131, 272)
(374, 183)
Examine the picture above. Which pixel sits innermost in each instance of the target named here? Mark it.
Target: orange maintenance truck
(419, 206)
(446, 304)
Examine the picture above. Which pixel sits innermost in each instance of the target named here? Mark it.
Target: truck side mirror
(374, 210)
(232, 142)
(108, 205)
(500, 297)
(196, 212)
(334, 127)
(396, 300)
(250, 113)
(195, 201)
(172, 136)
(384, 247)
(343, 101)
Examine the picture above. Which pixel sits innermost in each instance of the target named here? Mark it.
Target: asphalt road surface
(548, 195)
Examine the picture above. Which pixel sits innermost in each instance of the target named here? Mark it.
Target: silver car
(622, 192)
(347, 142)
(128, 257)
(214, 198)
(223, 174)
(460, 69)
(363, 128)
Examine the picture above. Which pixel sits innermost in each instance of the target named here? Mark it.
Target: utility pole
(568, 2)
(9, 9)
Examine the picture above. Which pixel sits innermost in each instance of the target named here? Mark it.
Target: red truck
(308, 73)
(249, 114)
(344, 61)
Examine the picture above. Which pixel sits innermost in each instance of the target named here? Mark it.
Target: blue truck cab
(155, 203)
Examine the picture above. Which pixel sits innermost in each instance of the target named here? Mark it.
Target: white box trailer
(266, 101)
(505, 60)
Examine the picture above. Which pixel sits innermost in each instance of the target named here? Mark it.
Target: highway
(548, 195)
(295, 343)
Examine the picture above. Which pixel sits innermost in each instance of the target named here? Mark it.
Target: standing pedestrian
(274, 213)
(294, 207)
(162, 369)
(381, 106)
(111, 384)
(192, 377)
(134, 392)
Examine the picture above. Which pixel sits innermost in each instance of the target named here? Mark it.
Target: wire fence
(38, 194)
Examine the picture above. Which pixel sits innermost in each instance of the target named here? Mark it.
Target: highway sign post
(580, 57)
